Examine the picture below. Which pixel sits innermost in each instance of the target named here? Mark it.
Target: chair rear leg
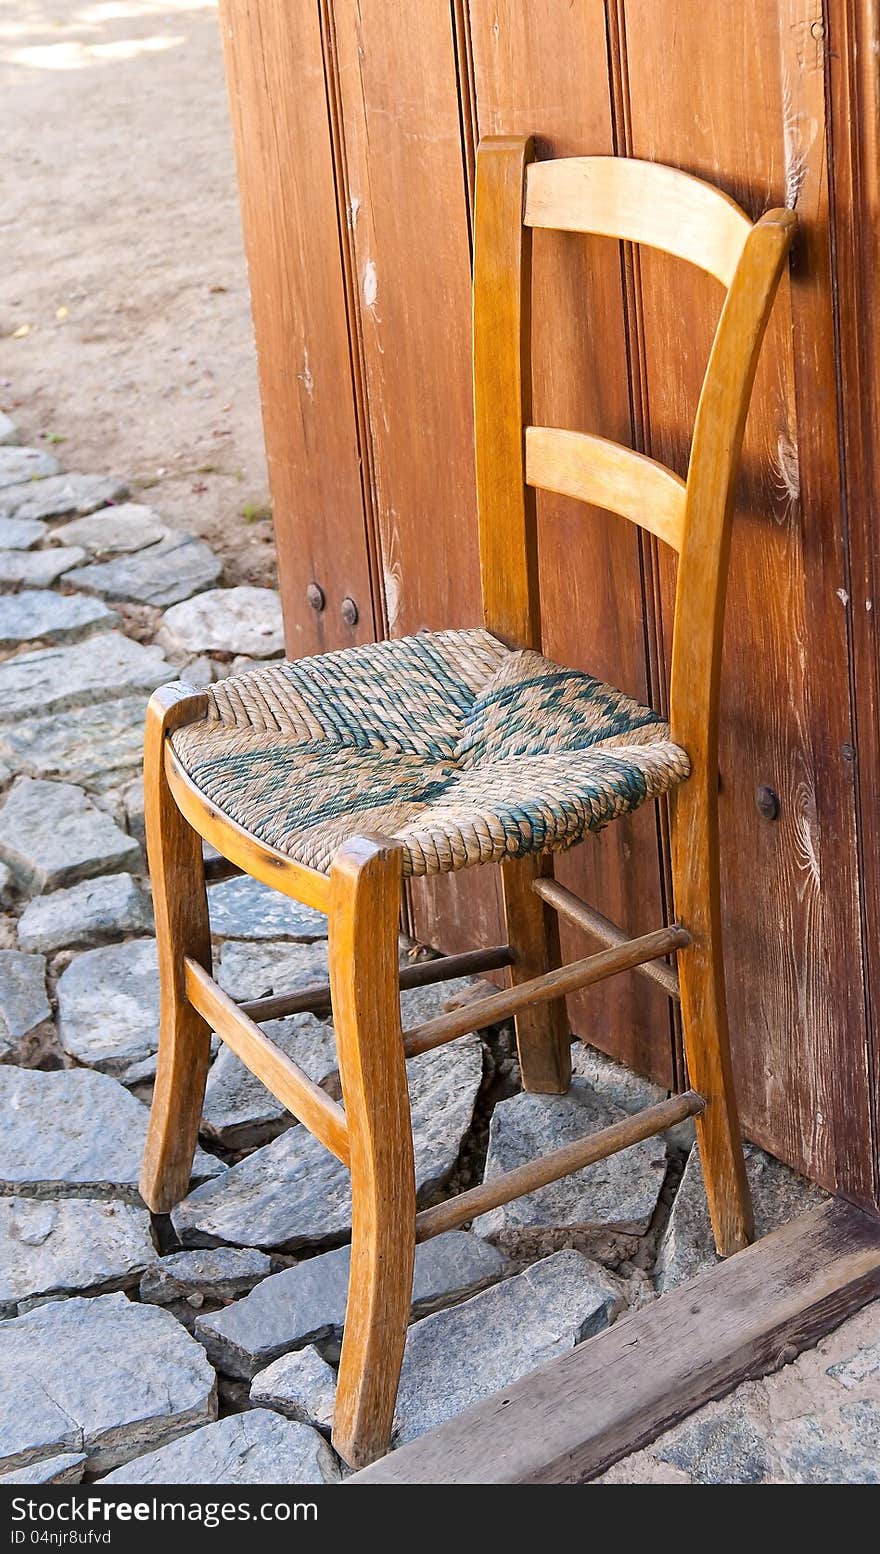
(543, 1037)
(697, 894)
(181, 911)
(364, 919)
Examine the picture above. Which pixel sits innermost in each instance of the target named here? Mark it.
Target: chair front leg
(181, 910)
(697, 895)
(363, 929)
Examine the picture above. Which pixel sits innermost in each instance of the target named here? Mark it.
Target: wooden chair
(334, 777)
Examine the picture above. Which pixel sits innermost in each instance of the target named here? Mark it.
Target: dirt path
(121, 258)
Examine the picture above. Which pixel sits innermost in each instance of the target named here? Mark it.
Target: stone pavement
(202, 1347)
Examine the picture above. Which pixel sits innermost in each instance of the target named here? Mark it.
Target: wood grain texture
(407, 202)
(290, 1085)
(573, 1418)
(751, 118)
(852, 36)
(502, 376)
(639, 202)
(560, 1162)
(180, 906)
(590, 563)
(253, 857)
(507, 520)
(694, 687)
(593, 469)
(284, 155)
(366, 880)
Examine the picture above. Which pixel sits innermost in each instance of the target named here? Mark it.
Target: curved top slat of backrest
(639, 202)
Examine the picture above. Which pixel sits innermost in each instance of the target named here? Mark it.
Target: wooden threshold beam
(286, 1080)
(570, 906)
(539, 990)
(316, 998)
(570, 1420)
(560, 1162)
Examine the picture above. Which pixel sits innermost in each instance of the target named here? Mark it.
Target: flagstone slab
(103, 1376)
(257, 1447)
(74, 1133)
(23, 464)
(8, 429)
(687, 1246)
(243, 908)
(86, 914)
(39, 615)
(460, 1355)
(301, 1386)
(214, 1273)
(239, 1112)
(619, 1193)
(100, 745)
(307, 1303)
(103, 666)
(23, 1001)
(293, 1192)
(19, 533)
(227, 620)
(37, 568)
(250, 970)
(177, 566)
(108, 1005)
(114, 530)
(66, 1468)
(59, 495)
(52, 834)
(49, 1250)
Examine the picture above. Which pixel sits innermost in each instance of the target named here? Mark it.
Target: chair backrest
(637, 202)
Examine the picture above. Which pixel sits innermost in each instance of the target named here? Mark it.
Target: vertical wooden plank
(278, 100)
(744, 108)
(408, 201)
(543, 69)
(852, 43)
(407, 192)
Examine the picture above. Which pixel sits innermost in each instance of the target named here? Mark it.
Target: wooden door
(356, 131)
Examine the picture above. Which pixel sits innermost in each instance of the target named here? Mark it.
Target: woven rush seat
(459, 748)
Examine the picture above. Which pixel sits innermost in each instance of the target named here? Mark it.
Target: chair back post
(503, 393)
(716, 449)
(639, 202)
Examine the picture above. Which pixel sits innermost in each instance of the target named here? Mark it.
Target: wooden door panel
(284, 154)
(542, 68)
(744, 108)
(407, 194)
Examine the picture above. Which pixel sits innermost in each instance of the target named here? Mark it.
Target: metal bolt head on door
(349, 612)
(315, 597)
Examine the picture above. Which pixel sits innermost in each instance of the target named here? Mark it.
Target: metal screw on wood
(349, 612)
(315, 596)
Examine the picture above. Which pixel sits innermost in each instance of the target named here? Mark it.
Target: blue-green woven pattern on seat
(464, 751)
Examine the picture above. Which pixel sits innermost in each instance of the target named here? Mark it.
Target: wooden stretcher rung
(286, 1080)
(561, 1162)
(316, 998)
(570, 906)
(554, 984)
